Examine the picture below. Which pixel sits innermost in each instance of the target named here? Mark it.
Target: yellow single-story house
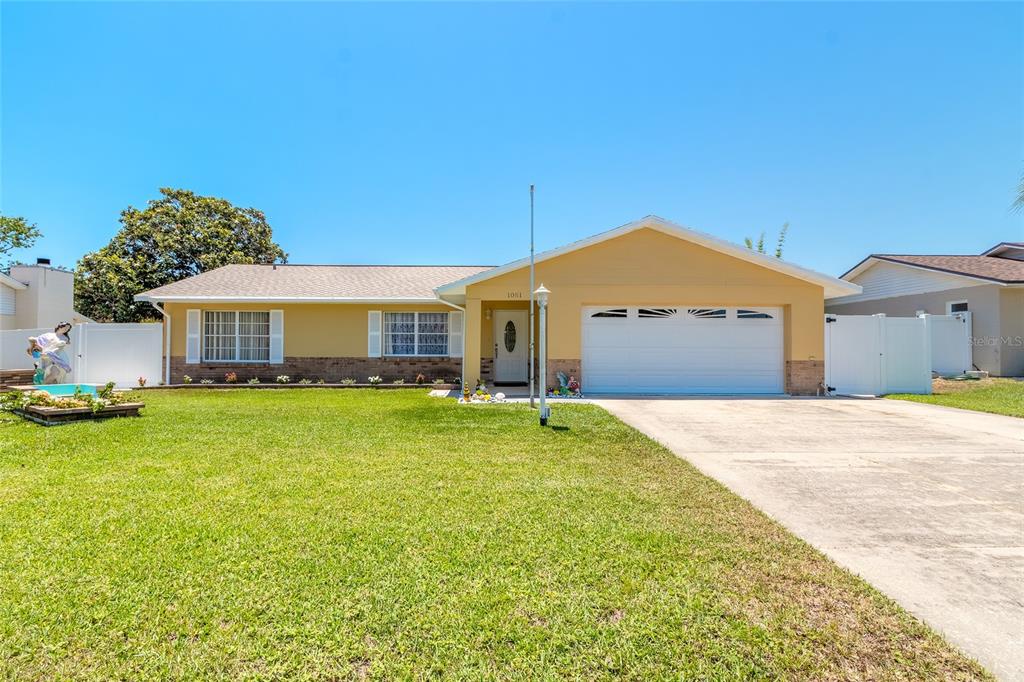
(648, 307)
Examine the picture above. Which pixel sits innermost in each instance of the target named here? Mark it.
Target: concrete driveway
(926, 503)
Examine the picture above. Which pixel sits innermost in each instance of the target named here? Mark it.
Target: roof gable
(884, 279)
(979, 268)
(1014, 250)
(831, 285)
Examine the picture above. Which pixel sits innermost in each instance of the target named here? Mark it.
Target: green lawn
(1001, 396)
(384, 534)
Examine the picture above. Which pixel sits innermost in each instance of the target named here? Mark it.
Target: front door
(511, 346)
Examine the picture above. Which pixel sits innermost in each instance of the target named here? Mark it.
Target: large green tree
(176, 236)
(16, 233)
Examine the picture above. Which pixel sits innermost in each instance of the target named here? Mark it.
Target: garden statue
(568, 387)
(52, 365)
(36, 351)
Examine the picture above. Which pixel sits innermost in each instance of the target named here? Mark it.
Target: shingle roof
(315, 282)
(1005, 270)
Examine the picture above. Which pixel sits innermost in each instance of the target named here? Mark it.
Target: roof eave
(9, 281)
(147, 298)
(1001, 247)
(872, 259)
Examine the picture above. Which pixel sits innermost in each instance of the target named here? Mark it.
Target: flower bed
(430, 386)
(48, 416)
(41, 407)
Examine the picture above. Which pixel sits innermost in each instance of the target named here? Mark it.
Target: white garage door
(682, 349)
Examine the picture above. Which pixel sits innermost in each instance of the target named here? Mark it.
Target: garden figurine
(53, 360)
(36, 351)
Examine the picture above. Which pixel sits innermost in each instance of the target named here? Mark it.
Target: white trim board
(832, 285)
(9, 281)
(284, 299)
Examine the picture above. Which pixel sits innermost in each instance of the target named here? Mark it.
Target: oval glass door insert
(510, 336)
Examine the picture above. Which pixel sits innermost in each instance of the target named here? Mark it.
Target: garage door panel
(681, 353)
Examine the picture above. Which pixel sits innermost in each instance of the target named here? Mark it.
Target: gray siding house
(990, 286)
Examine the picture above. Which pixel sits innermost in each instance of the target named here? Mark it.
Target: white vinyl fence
(876, 354)
(98, 352)
(951, 343)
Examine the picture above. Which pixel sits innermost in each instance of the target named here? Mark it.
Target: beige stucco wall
(645, 267)
(1011, 310)
(983, 301)
(310, 329)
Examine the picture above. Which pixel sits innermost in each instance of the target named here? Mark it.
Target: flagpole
(531, 298)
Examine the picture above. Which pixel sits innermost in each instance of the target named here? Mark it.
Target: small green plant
(438, 382)
(186, 379)
(759, 246)
(421, 378)
(348, 381)
(231, 378)
(305, 382)
(253, 381)
(142, 382)
(107, 391)
(206, 381)
(320, 381)
(283, 379)
(374, 380)
(398, 382)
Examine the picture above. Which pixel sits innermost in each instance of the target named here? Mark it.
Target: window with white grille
(236, 336)
(416, 333)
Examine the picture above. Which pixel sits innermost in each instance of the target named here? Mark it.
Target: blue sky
(409, 133)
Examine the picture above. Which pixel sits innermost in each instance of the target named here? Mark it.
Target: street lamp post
(542, 303)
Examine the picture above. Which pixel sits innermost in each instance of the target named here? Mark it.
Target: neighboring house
(647, 307)
(36, 296)
(990, 286)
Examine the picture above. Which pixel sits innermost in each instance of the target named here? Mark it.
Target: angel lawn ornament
(52, 366)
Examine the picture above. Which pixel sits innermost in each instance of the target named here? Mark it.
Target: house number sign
(514, 294)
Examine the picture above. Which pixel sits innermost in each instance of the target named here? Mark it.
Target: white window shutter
(373, 333)
(276, 337)
(193, 326)
(455, 334)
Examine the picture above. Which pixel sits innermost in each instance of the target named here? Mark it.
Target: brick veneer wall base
(803, 377)
(486, 371)
(15, 377)
(328, 369)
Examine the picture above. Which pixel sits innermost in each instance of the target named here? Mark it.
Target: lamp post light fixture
(542, 303)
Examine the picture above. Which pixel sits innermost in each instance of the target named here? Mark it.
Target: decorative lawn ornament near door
(568, 387)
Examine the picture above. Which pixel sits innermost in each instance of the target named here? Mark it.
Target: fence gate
(875, 354)
(951, 343)
(99, 352)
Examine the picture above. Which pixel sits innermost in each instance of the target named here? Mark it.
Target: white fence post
(881, 383)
